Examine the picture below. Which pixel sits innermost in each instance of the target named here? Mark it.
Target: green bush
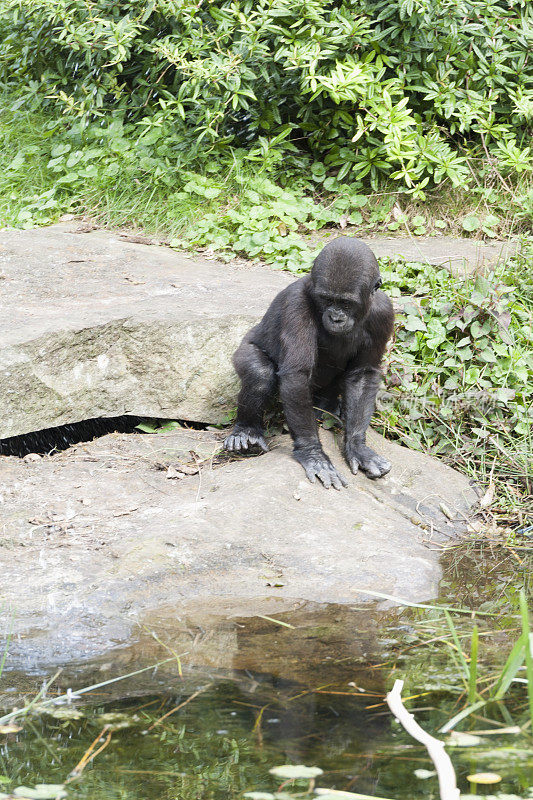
(403, 90)
(458, 379)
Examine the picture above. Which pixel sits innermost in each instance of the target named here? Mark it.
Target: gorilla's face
(344, 278)
(341, 312)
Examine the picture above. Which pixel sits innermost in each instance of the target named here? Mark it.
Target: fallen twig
(181, 705)
(445, 771)
(89, 755)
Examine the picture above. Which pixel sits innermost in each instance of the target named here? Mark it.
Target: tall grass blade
(472, 680)
(408, 604)
(6, 647)
(512, 665)
(54, 700)
(461, 655)
(461, 715)
(528, 642)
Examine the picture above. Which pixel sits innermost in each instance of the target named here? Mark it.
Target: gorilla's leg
(258, 381)
(359, 398)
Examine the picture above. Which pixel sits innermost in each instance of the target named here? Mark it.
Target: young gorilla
(323, 336)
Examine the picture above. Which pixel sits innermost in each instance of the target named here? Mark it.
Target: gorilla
(321, 339)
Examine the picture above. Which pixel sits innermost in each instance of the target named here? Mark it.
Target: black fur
(322, 337)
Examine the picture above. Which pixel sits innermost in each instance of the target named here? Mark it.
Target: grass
(520, 654)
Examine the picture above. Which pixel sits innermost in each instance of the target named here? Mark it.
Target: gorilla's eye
(377, 284)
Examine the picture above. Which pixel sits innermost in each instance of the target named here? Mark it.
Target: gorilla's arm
(297, 358)
(361, 384)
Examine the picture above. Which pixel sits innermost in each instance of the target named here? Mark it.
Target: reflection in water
(308, 691)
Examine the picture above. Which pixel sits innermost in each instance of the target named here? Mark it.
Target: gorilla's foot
(317, 465)
(372, 464)
(243, 438)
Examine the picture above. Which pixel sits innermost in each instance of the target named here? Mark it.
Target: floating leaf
(12, 728)
(295, 772)
(338, 794)
(460, 739)
(67, 712)
(424, 774)
(115, 720)
(42, 791)
(484, 778)
(259, 795)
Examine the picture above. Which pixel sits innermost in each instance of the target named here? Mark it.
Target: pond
(306, 687)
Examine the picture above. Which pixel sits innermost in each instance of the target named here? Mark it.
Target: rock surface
(99, 538)
(94, 325)
(460, 256)
(91, 326)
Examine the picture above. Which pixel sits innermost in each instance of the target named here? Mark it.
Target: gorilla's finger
(341, 477)
(309, 471)
(337, 482)
(377, 467)
(385, 465)
(256, 439)
(354, 466)
(324, 476)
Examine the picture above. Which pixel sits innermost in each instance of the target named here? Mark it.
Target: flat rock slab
(460, 256)
(98, 538)
(93, 325)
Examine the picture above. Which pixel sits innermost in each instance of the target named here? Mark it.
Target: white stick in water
(445, 771)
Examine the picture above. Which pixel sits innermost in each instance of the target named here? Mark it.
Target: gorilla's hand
(242, 438)
(317, 465)
(359, 456)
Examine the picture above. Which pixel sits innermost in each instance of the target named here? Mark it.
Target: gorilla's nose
(337, 317)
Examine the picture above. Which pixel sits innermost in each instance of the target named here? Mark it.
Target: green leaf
(510, 670)
(146, 427)
(471, 223)
(413, 323)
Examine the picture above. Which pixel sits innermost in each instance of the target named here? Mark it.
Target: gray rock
(92, 325)
(95, 325)
(459, 256)
(99, 538)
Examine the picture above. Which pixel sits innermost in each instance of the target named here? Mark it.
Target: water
(269, 694)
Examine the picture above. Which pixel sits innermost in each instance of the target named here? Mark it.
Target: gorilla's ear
(377, 284)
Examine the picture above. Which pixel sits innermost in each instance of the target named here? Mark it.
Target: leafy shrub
(460, 373)
(374, 89)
